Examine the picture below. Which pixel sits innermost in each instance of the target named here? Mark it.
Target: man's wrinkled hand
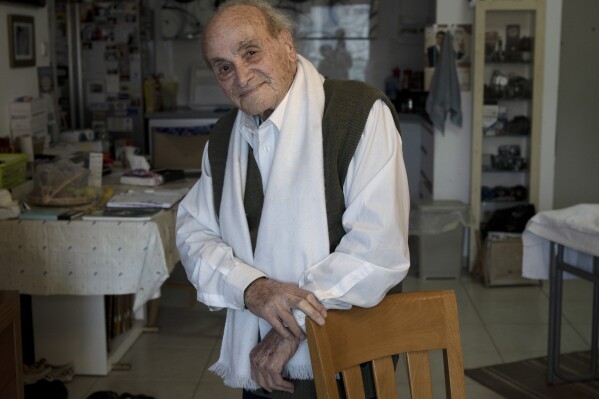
(268, 358)
(273, 301)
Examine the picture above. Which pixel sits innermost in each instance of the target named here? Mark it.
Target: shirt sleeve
(219, 276)
(373, 255)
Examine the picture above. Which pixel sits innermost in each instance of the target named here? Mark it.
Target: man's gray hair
(276, 20)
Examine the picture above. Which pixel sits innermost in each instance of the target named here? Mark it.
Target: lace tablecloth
(88, 257)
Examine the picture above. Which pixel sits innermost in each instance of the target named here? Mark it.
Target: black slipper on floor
(127, 395)
(104, 395)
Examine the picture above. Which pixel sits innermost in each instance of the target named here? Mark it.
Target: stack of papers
(147, 199)
(123, 214)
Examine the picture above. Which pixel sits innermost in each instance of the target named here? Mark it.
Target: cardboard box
(41, 132)
(502, 261)
(34, 107)
(178, 152)
(33, 123)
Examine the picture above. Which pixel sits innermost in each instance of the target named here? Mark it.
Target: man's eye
(224, 69)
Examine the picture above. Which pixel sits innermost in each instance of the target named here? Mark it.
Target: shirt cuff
(237, 281)
(300, 318)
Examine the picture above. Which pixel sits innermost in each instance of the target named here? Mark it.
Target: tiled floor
(497, 325)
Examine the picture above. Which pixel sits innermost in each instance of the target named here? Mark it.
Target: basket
(13, 170)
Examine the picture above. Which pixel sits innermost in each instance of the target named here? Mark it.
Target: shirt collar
(250, 124)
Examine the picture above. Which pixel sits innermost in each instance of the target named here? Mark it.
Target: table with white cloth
(69, 266)
(557, 245)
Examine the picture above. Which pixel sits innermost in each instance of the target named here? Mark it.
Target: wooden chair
(412, 323)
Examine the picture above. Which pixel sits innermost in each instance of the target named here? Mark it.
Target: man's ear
(286, 40)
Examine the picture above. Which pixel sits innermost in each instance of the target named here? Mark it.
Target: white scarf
(293, 232)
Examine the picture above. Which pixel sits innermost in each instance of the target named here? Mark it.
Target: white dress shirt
(377, 211)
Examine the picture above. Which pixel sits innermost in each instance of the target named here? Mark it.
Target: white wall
(175, 57)
(17, 82)
(577, 140)
(553, 33)
(399, 41)
(453, 147)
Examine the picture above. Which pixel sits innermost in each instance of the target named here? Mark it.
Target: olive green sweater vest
(346, 109)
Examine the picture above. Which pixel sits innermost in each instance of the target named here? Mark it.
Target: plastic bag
(61, 183)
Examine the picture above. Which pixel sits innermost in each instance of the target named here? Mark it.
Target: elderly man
(285, 221)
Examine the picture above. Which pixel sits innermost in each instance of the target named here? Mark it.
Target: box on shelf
(13, 169)
(494, 120)
(178, 152)
(34, 107)
(502, 260)
(35, 122)
(16, 133)
(28, 118)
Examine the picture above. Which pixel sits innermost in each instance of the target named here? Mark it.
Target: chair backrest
(412, 323)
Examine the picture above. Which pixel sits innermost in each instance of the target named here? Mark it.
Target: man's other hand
(268, 359)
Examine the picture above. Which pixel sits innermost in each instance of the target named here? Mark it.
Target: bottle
(407, 103)
(392, 85)
(105, 138)
(158, 92)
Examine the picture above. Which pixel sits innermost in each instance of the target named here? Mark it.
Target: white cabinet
(72, 328)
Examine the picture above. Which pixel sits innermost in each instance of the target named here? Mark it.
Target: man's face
(254, 69)
(440, 37)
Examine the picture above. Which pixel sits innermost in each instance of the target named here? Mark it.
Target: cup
(169, 95)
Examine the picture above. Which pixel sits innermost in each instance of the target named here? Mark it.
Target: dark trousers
(303, 389)
(250, 395)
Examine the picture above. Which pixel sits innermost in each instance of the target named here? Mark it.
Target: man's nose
(244, 74)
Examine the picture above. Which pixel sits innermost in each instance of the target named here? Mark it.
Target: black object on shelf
(169, 175)
(504, 194)
(510, 220)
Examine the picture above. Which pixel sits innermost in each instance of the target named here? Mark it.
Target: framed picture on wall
(21, 41)
(35, 3)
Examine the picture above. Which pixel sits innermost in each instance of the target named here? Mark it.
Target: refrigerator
(101, 55)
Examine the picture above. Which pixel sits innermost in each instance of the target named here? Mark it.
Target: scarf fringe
(232, 381)
(300, 372)
(296, 372)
